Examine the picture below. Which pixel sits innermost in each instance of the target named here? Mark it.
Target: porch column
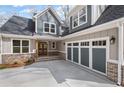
(120, 51)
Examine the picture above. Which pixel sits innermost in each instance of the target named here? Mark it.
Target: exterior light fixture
(112, 40)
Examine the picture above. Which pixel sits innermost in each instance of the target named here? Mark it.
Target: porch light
(112, 40)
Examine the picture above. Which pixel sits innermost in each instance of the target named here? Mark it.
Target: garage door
(69, 52)
(84, 52)
(90, 54)
(99, 55)
(76, 52)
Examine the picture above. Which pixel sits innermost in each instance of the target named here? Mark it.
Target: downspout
(120, 51)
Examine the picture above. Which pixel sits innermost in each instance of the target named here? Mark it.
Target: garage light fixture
(112, 40)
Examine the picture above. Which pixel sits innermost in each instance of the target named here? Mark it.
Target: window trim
(20, 46)
(79, 18)
(52, 45)
(49, 27)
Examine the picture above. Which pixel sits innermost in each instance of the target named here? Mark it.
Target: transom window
(84, 43)
(99, 43)
(79, 18)
(49, 27)
(20, 46)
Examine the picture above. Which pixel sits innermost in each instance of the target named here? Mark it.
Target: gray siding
(47, 17)
(84, 25)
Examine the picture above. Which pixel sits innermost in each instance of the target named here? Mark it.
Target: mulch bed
(3, 66)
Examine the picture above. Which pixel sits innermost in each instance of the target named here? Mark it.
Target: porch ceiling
(47, 37)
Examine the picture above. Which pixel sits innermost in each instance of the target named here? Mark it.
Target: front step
(47, 58)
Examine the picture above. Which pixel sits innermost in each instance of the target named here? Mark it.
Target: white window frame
(49, 27)
(52, 45)
(20, 46)
(78, 19)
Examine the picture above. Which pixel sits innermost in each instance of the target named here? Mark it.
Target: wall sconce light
(63, 43)
(112, 40)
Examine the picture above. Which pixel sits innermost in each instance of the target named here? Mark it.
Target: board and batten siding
(47, 17)
(113, 49)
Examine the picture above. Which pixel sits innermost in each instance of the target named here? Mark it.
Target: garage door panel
(69, 53)
(75, 55)
(99, 59)
(85, 56)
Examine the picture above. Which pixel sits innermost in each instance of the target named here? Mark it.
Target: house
(93, 39)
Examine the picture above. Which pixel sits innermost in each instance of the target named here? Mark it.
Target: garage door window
(75, 44)
(99, 43)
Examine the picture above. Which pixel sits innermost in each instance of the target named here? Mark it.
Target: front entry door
(42, 48)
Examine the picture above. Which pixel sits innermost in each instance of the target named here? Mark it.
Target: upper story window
(80, 17)
(49, 28)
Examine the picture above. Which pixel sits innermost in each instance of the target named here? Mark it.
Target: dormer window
(49, 28)
(79, 18)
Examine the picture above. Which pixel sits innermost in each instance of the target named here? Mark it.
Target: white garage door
(88, 53)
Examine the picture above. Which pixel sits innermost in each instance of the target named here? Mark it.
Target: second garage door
(80, 52)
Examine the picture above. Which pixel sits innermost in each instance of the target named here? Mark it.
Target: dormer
(79, 17)
(47, 22)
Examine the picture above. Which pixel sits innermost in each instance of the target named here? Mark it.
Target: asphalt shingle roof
(25, 26)
(18, 25)
(111, 13)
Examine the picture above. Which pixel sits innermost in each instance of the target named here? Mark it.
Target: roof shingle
(18, 25)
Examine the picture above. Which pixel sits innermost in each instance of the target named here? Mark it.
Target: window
(53, 45)
(75, 44)
(16, 46)
(49, 28)
(25, 46)
(75, 20)
(79, 18)
(82, 16)
(99, 43)
(69, 44)
(20, 46)
(84, 43)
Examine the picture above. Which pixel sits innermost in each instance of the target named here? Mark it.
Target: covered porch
(47, 48)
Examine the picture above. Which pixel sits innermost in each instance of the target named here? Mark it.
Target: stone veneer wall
(112, 71)
(18, 58)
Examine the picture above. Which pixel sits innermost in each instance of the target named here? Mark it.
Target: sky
(25, 10)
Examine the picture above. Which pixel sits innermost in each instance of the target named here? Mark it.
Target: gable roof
(111, 13)
(46, 10)
(18, 25)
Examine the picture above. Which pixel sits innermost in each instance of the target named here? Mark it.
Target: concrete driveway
(57, 73)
